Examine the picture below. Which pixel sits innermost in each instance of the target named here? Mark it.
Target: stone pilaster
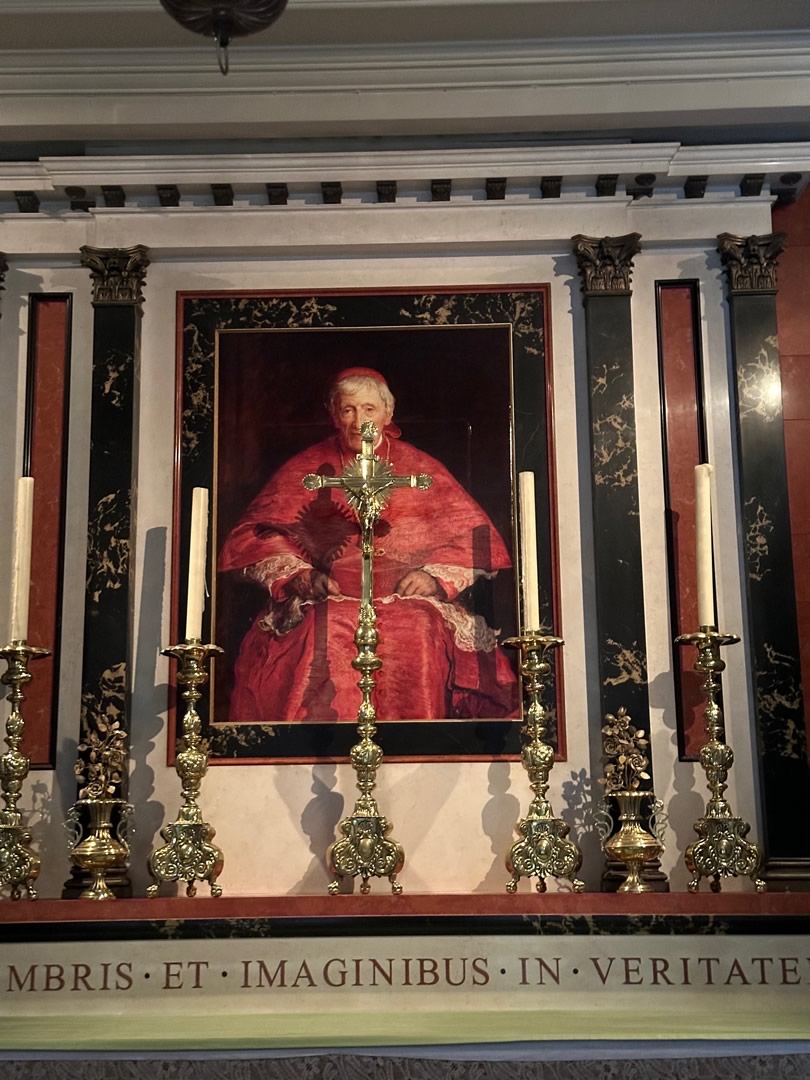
(750, 265)
(606, 265)
(118, 276)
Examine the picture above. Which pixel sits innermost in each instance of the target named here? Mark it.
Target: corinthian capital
(118, 274)
(606, 263)
(750, 261)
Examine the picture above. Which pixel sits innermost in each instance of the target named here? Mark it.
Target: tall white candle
(21, 565)
(196, 563)
(703, 544)
(529, 579)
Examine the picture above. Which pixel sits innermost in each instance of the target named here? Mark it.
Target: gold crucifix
(365, 849)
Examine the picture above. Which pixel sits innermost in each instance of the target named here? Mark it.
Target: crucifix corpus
(365, 849)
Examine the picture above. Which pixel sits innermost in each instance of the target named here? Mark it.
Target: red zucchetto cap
(391, 430)
(359, 372)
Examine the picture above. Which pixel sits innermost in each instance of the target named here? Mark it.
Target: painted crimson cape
(439, 659)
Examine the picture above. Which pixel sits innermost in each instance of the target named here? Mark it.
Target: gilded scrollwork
(750, 261)
(606, 262)
(118, 274)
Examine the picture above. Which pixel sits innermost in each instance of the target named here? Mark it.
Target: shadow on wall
(319, 822)
(148, 708)
(498, 819)
(687, 804)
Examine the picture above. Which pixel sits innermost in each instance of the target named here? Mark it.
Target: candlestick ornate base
(365, 850)
(19, 864)
(722, 850)
(543, 849)
(188, 854)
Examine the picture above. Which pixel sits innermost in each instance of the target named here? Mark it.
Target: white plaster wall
(454, 820)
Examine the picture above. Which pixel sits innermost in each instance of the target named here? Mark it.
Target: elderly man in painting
(439, 659)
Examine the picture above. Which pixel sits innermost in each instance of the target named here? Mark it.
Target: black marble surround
(773, 641)
(524, 309)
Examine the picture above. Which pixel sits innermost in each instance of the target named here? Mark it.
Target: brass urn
(96, 849)
(625, 750)
(632, 844)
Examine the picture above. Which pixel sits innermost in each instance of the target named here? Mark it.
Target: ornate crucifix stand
(365, 849)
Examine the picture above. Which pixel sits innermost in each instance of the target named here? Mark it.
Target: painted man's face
(354, 409)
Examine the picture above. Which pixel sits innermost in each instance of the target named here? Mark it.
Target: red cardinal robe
(439, 660)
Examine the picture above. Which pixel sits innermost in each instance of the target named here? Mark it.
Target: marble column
(118, 276)
(605, 266)
(773, 640)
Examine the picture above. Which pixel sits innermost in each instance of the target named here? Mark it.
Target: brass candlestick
(543, 849)
(19, 864)
(625, 753)
(365, 850)
(188, 854)
(722, 850)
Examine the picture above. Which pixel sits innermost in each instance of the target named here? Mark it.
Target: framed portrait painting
(273, 387)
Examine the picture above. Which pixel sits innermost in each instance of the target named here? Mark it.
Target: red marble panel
(797, 450)
(801, 564)
(681, 394)
(49, 345)
(793, 300)
(794, 220)
(795, 385)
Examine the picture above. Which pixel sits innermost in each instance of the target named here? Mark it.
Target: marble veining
(779, 702)
(758, 527)
(628, 661)
(108, 545)
(115, 382)
(759, 384)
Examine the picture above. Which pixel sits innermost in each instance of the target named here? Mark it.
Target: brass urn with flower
(97, 822)
(625, 755)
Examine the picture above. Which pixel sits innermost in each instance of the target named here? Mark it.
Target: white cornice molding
(588, 61)
(251, 169)
(575, 163)
(745, 158)
(381, 230)
(81, 7)
(428, 88)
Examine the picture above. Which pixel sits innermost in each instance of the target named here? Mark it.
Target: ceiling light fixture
(225, 19)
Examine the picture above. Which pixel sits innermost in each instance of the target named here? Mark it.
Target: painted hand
(313, 585)
(418, 583)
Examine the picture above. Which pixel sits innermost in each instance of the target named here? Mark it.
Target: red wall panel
(45, 454)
